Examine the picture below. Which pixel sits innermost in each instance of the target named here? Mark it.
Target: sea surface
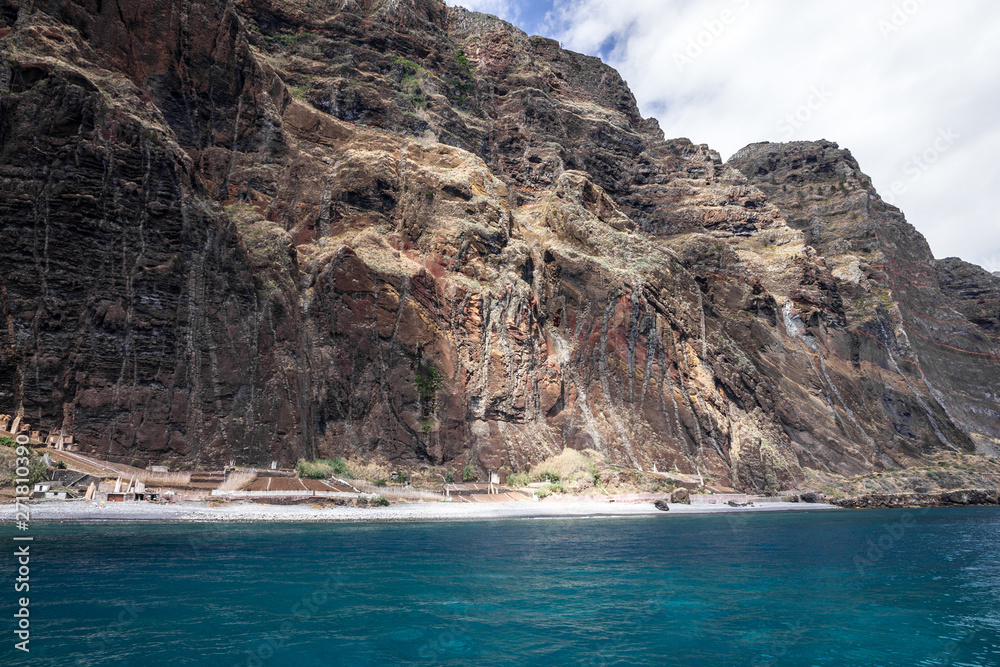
(903, 587)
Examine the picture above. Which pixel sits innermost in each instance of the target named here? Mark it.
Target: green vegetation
(409, 80)
(7, 441)
(399, 477)
(518, 479)
(299, 92)
(547, 490)
(406, 64)
(321, 468)
(369, 470)
(587, 472)
(427, 379)
(463, 62)
(569, 466)
(382, 501)
(463, 88)
(468, 473)
(37, 471)
(463, 85)
(293, 41)
(449, 477)
(8, 468)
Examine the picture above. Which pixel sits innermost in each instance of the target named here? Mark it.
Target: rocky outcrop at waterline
(964, 498)
(265, 230)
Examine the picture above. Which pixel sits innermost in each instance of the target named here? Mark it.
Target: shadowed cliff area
(266, 230)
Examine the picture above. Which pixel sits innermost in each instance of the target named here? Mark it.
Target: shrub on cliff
(518, 479)
(321, 468)
(548, 489)
(427, 380)
(370, 470)
(8, 468)
(576, 470)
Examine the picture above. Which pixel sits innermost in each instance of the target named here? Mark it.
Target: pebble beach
(198, 512)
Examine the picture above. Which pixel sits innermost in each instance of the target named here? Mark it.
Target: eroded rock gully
(264, 230)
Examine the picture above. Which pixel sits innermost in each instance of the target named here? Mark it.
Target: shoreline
(242, 512)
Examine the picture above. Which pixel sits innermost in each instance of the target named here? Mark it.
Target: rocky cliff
(975, 293)
(263, 230)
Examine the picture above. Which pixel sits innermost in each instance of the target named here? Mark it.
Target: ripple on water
(774, 589)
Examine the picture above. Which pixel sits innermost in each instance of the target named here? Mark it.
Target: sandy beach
(195, 512)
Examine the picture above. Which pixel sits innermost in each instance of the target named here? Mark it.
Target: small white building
(44, 490)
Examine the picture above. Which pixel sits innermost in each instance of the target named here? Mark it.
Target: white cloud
(505, 9)
(881, 78)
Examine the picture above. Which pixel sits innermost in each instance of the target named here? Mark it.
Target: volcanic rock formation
(975, 291)
(262, 230)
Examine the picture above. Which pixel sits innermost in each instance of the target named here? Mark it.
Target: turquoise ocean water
(913, 588)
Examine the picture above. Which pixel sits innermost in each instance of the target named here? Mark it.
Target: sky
(910, 87)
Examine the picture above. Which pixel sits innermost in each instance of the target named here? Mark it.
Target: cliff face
(891, 289)
(263, 230)
(975, 291)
